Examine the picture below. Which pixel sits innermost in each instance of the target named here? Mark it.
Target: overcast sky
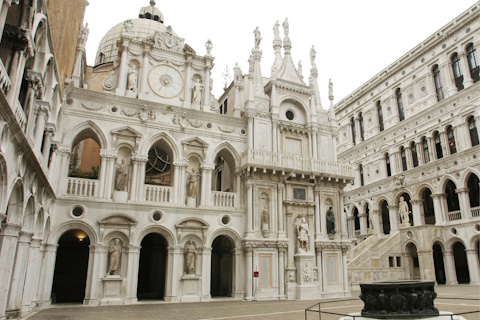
(354, 39)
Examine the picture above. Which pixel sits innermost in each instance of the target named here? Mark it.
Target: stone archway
(152, 267)
(461, 265)
(221, 276)
(71, 266)
(414, 265)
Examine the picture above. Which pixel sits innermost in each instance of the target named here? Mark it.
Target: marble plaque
(265, 271)
(332, 273)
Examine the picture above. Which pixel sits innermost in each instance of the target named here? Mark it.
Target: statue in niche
(132, 79)
(258, 38)
(115, 253)
(190, 257)
(276, 32)
(330, 221)
(302, 235)
(265, 219)
(286, 27)
(197, 91)
(313, 55)
(121, 177)
(403, 211)
(193, 184)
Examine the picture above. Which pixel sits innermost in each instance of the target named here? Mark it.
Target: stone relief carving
(306, 273)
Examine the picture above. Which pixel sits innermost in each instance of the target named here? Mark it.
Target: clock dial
(165, 81)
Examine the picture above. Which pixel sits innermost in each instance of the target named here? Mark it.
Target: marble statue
(300, 71)
(313, 55)
(251, 64)
(265, 219)
(302, 235)
(286, 27)
(330, 221)
(115, 253)
(370, 219)
(276, 32)
(330, 87)
(197, 91)
(209, 46)
(128, 25)
(121, 177)
(84, 35)
(403, 211)
(190, 257)
(193, 184)
(237, 73)
(258, 38)
(132, 79)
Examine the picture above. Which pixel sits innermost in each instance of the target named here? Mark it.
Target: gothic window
(360, 168)
(352, 122)
(387, 161)
(438, 145)
(224, 107)
(362, 131)
(473, 191)
(472, 128)
(380, 115)
(158, 166)
(413, 148)
(457, 71)
(451, 140)
(473, 62)
(426, 155)
(357, 220)
(404, 159)
(438, 83)
(85, 157)
(452, 197)
(428, 210)
(401, 112)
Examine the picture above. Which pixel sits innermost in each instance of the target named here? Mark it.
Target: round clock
(165, 81)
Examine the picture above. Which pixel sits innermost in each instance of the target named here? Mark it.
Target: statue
(330, 88)
(330, 221)
(251, 64)
(265, 219)
(237, 73)
(302, 235)
(121, 177)
(197, 91)
(300, 71)
(132, 79)
(370, 219)
(313, 55)
(84, 35)
(276, 32)
(128, 25)
(115, 252)
(286, 27)
(190, 257)
(403, 211)
(193, 184)
(258, 38)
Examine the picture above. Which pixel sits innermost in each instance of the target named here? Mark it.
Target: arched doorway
(221, 277)
(413, 259)
(438, 263)
(71, 266)
(461, 266)
(385, 218)
(152, 267)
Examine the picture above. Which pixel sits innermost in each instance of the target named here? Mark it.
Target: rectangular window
(399, 262)
(299, 194)
(391, 262)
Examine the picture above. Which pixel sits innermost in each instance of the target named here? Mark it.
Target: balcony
(82, 187)
(224, 199)
(5, 83)
(20, 115)
(454, 215)
(162, 194)
(285, 162)
(476, 212)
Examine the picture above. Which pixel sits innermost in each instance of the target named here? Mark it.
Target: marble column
(250, 133)
(463, 197)
(93, 274)
(431, 148)
(249, 186)
(318, 254)
(274, 137)
(3, 15)
(133, 254)
(122, 75)
(140, 184)
(8, 240)
(358, 136)
(449, 268)
(145, 68)
(281, 273)
(206, 192)
(392, 211)
(408, 155)
(281, 216)
(317, 212)
(419, 149)
(437, 208)
(102, 173)
(473, 266)
(206, 273)
(206, 86)
(49, 133)
(32, 277)
(42, 114)
(351, 227)
(249, 273)
(315, 151)
(444, 141)
(188, 82)
(467, 78)
(363, 223)
(416, 211)
(46, 275)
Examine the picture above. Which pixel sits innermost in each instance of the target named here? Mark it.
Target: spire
(277, 46)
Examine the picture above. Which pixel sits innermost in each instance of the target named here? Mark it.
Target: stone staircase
(376, 259)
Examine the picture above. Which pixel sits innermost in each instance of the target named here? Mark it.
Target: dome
(150, 21)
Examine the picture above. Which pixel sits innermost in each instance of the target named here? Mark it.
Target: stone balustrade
(454, 215)
(224, 199)
(476, 212)
(280, 161)
(5, 82)
(82, 187)
(154, 193)
(20, 115)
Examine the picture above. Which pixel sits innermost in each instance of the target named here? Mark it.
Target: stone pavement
(242, 310)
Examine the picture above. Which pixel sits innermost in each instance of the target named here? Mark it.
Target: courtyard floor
(251, 310)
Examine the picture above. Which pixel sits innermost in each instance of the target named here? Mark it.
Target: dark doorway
(438, 263)
(71, 265)
(428, 210)
(221, 277)
(461, 266)
(152, 267)
(385, 218)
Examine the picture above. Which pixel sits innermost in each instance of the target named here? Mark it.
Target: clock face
(165, 81)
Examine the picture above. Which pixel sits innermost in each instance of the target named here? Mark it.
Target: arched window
(457, 72)
(438, 83)
(362, 131)
(387, 161)
(428, 209)
(158, 169)
(404, 159)
(452, 197)
(473, 191)
(354, 136)
(426, 155)
(401, 113)
(357, 220)
(472, 127)
(438, 145)
(413, 147)
(473, 62)
(360, 169)
(451, 140)
(380, 115)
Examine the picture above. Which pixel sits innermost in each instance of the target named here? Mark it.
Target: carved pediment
(195, 144)
(191, 226)
(189, 50)
(126, 134)
(118, 220)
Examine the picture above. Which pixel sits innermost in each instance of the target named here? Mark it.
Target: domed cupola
(151, 12)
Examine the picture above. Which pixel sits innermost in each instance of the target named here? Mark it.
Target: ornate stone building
(412, 132)
(128, 180)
